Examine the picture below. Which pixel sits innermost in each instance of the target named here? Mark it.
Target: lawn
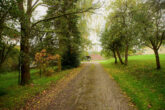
(140, 80)
(13, 95)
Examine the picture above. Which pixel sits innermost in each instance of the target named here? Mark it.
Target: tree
(123, 14)
(111, 41)
(152, 26)
(68, 31)
(43, 60)
(138, 23)
(122, 27)
(21, 11)
(8, 31)
(25, 15)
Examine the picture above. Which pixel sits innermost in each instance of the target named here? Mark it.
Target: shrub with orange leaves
(43, 59)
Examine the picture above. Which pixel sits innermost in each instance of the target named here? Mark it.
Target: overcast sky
(97, 20)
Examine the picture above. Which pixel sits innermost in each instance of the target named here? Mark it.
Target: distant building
(96, 57)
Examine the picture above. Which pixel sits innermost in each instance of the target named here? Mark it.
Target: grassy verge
(13, 95)
(140, 80)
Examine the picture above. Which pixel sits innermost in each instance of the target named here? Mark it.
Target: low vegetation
(13, 95)
(142, 82)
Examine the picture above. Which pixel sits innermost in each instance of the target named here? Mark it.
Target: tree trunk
(1, 28)
(19, 69)
(1, 44)
(114, 55)
(25, 60)
(157, 58)
(119, 56)
(126, 55)
(59, 64)
(25, 35)
(2, 53)
(40, 72)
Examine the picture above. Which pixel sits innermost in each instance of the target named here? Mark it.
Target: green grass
(13, 95)
(140, 80)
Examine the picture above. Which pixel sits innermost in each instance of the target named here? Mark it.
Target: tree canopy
(133, 24)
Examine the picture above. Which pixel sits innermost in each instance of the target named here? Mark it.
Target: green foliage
(8, 32)
(120, 29)
(132, 24)
(141, 81)
(58, 32)
(11, 62)
(67, 32)
(71, 59)
(150, 21)
(15, 95)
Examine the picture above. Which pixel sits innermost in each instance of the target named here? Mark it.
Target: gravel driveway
(91, 89)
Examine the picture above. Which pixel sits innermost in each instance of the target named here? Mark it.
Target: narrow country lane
(91, 89)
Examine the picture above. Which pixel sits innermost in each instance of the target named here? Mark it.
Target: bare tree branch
(71, 13)
(35, 4)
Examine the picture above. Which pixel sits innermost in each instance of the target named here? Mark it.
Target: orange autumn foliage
(43, 59)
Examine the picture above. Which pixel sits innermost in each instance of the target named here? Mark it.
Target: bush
(70, 59)
(12, 61)
(43, 61)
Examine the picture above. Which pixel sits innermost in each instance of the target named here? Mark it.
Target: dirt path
(91, 89)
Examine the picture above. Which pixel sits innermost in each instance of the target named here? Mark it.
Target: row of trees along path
(132, 25)
(21, 13)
